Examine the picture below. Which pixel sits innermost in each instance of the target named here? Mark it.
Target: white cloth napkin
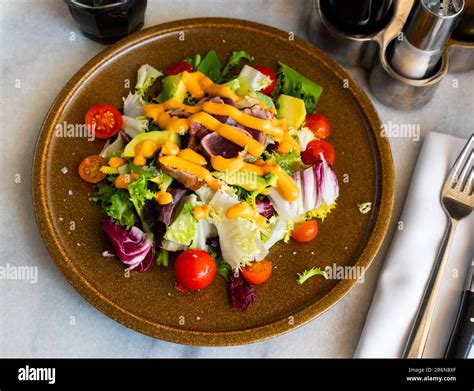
(411, 256)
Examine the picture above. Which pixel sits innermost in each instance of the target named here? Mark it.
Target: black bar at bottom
(61, 374)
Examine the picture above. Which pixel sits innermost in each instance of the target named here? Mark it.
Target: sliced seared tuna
(188, 180)
(258, 111)
(179, 112)
(256, 134)
(215, 144)
(225, 119)
(198, 130)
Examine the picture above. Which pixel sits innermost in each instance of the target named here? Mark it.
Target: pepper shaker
(425, 35)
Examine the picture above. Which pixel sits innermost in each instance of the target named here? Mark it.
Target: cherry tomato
(318, 124)
(179, 67)
(89, 169)
(314, 148)
(103, 121)
(194, 269)
(305, 232)
(257, 272)
(271, 75)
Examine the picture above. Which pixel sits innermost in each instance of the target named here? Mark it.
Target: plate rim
(184, 336)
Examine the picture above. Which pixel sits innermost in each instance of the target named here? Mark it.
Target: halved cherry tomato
(89, 169)
(103, 121)
(257, 272)
(318, 124)
(194, 269)
(179, 67)
(314, 148)
(271, 75)
(305, 232)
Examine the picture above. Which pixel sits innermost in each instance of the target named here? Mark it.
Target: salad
(206, 167)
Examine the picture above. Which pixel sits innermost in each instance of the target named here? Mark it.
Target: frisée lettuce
(242, 243)
(183, 228)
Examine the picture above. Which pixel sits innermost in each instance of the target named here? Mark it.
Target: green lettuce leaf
(290, 162)
(301, 278)
(233, 61)
(321, 212)
(194, 61)
(145, 78)
(211, 66)
(276, 232)
(222, 268)
(121, 209)
(150, 172)
(139, 194)
(183, 229)
(204, 231)
(162, 258)
(241, 242)
(293, 83)
(115, 203)
(268, 101)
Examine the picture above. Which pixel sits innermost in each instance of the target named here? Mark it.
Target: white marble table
(48, 318)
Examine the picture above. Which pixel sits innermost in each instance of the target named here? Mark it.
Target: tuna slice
(215, 144)
(259, 112)
(257, 135)
(216, 99)
(179, 112)
(188, 180)
(225, 119)
(196, 133)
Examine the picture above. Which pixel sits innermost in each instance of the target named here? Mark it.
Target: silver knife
(462, 337)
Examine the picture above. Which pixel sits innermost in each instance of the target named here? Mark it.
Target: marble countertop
(48, 318)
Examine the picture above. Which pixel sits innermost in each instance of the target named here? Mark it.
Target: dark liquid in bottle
(358, 16)
(465, 28)
(107, 21)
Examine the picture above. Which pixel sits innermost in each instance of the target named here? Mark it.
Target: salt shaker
(425, 34)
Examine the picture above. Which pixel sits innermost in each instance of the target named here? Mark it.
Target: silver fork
(457, 200)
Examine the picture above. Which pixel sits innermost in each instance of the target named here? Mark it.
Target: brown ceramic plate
(148, 302)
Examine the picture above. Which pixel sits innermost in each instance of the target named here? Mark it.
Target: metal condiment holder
(371, 51)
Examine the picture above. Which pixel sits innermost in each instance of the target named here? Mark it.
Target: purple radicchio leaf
(326, 183)
(241, 294)
(264, 208)
(134, 248)
(214, 245)
(166, 212)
